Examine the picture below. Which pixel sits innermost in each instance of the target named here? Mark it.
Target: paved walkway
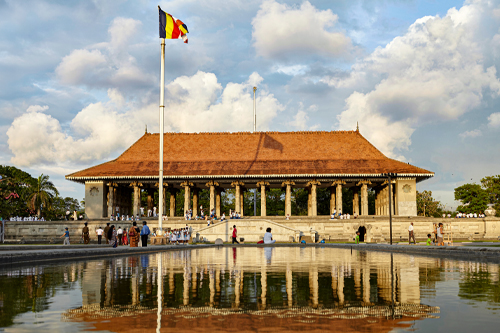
(31, 254)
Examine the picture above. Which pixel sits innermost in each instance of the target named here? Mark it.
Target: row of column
(118, 195)
(382, 200)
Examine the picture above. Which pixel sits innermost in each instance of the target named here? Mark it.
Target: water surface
(253, 290)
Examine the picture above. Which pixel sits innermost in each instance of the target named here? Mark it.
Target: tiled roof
(251, 155)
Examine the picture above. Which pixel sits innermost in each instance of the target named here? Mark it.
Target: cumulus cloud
(471, 134)
(435, 72)
(494, 120)
(281, 31)
(108, 63)
(197, 103)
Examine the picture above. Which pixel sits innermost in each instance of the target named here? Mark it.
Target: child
(429, 240)
(357, 237)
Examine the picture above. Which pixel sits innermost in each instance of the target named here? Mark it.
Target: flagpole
(162, 109)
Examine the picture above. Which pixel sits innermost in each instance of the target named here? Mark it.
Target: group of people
(179, 236)
(26, 218)
(438, 239)
(468, 215)
(114, 236)
(124, 217)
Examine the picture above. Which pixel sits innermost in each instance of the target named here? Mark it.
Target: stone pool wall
(253, 228)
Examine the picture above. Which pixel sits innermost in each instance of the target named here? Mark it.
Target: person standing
(66, 236)
(411, 235)
(144, 234)
(106, 230)
(119, 232)
(99, 235)
(113, 240)
(440, 235)
(235, 234)
(125, 237)
(85, 234)
(133, 235)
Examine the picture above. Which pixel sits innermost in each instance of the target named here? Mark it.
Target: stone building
(262, 160)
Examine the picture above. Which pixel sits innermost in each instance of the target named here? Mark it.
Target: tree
(43, 193)
(492, 186)
(474, 199)
(15, 185)
(427, 205)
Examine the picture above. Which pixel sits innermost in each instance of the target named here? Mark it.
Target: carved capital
(338, 182)
(288, 182)
(111, 184)
(313, 182)
(134, 184)
(211, 183)
(364, 182)
(187, 183)
(262, 183)
(164, 184)
(236, 183)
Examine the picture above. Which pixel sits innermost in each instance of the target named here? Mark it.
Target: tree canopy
(491, 184)
(427, 205)
(473, 197)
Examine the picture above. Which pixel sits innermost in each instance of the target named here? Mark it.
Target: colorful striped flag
(172, 28)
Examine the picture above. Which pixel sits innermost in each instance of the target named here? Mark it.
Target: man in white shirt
(119, 233)
(154, 211)
(142, 211)
(410, 234)
(99, 233)
(268, 237)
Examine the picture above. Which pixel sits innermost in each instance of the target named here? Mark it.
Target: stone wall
(250, 228)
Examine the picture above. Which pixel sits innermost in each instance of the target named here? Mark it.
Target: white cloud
(281, 31)
(37, 108)
(196, 103)
(494, 120)
(471, 134)
(435, 72)
(106, 64)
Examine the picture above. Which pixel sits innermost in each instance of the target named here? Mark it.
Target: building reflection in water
(275, 288)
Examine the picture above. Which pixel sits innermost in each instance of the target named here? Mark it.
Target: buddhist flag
(172, 28)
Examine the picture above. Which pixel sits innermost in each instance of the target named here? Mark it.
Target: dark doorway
(362, 232)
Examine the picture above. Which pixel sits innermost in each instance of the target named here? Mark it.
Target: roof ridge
(258, 132)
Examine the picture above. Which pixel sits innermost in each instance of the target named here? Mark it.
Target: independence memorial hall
(242, 161)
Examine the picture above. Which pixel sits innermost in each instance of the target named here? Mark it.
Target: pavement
(13, 255)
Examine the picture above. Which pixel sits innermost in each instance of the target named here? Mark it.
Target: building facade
(243, 161)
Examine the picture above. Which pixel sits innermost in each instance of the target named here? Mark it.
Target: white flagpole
(162, 109)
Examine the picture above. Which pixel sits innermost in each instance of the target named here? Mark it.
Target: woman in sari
(112, 235)
(133, 235)
(124, 237)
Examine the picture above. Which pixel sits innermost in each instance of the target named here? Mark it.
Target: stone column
(218, 200)
(211, 184)
(237, 195)
(364, 196)
(313, 200)
(150, 200)
(137, 198)
(173, 193)
(377, 204)
(355, 201)
(242, 201)
(332, 199)
(195, 201)
(187, 195)
(111, 199)
(263, 207)
(338, 204)
(288, 197)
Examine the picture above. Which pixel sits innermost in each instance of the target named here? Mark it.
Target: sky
(79, 80)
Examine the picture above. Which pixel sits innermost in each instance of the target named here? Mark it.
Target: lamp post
(389, 176)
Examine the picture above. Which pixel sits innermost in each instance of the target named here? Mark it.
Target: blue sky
(80, 79)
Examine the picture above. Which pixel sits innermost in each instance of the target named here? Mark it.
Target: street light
(389, 175)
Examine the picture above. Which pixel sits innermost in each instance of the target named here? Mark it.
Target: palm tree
(42, 194)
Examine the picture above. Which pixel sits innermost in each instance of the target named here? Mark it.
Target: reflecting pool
(252, 290)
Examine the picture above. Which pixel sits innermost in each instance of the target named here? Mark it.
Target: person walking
(99, 233)
(235, 234)
(106, 230)
(144, 234)
(66, 236)
(85, 234)
(113, 239)
(411, 234)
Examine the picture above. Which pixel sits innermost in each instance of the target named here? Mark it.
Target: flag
(172, 28)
